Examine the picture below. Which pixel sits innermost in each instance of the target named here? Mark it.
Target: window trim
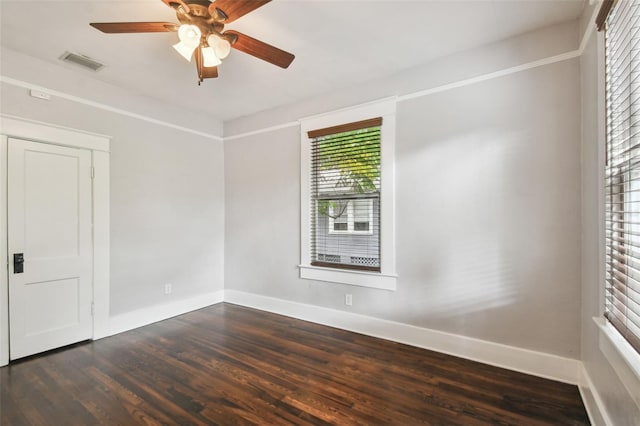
(386, 278)
(620, 184)
(621, 356)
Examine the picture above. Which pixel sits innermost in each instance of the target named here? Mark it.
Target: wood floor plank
(231, 365)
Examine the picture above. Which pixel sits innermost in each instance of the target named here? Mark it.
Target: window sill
(358, 278)
(624, 360)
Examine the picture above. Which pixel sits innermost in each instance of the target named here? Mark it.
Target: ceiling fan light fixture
(209, 58)
(184, 50)
(201, 26)
(189, 35)
(220, 46)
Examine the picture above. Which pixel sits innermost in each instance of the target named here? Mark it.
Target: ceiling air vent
(83, 61)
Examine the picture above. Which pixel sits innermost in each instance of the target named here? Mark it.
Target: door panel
(49, 220)
(41, 295)
(52, 198)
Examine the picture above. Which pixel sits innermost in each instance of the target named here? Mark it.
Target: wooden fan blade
(261, 50)
(204, 72)
(134, 27)
(234, 9)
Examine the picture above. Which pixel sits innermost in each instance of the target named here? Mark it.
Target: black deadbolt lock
(18, 263)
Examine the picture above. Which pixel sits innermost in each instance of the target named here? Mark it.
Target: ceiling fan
(201, 36)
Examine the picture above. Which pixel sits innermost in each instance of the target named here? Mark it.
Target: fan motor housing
(199, 16)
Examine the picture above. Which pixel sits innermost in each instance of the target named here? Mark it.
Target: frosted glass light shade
(219, 45)
(209, 58)
(189, 35)
(185, 51)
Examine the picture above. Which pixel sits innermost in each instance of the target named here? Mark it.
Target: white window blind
(345, 196)
(621, 22)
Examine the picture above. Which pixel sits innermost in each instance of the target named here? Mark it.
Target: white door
(49, 223)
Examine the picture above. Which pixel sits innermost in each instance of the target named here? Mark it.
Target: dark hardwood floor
(231, 365)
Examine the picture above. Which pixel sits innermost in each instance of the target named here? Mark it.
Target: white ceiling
(337, 43)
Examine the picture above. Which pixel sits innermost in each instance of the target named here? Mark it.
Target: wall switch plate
(167, 289)
(348, 299)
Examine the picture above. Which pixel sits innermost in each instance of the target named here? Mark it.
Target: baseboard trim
(141, 317)
(592, 401)
(523, 360)
(517, 359)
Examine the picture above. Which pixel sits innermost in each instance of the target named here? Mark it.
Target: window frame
(620, 189)
(386, 278)
(620, 354)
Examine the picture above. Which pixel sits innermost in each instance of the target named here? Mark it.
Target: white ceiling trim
(146, 64)
(511, 70)
(591, 28)
(507, 71)
(450, 86)
(73, 98)
(438, 89)
(490, 76)
(264, 130)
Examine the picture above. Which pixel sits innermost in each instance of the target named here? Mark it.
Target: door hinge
(93, 172)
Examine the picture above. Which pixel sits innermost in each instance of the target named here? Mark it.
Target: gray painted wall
(488, 196)
(167, 190)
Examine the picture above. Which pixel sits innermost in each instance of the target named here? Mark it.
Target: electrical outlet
(348, 299)
(167, 288)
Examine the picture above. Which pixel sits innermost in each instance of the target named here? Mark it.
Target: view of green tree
(347, 163)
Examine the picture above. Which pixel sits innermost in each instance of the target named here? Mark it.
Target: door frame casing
(99, 145)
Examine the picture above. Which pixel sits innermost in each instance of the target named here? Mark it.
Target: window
(347, 196)
(621, 21)
(351, 217)
(345, 182)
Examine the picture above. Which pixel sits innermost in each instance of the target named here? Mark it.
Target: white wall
(167, 190)
(167, 216)
(488, 196)
(616, 402)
